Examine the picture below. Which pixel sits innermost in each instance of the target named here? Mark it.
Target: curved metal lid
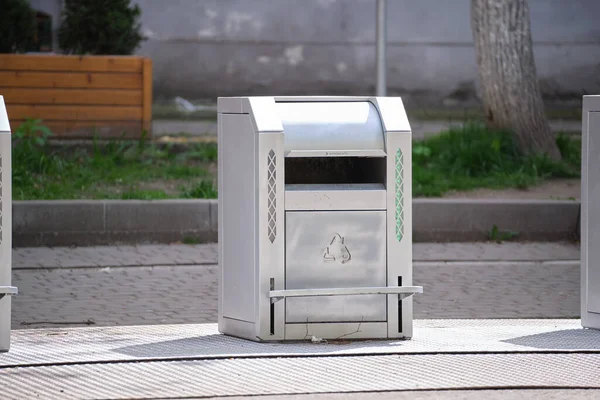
(331, 129)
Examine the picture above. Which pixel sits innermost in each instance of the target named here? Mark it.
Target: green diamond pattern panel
(399, 161)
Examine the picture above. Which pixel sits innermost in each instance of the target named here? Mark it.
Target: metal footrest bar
(402, 291)
(8, 291)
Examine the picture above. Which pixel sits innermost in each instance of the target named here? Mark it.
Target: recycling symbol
(337, 250)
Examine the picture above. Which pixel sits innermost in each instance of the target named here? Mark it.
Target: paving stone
(133, 285)
(148, 255)
(110, 256)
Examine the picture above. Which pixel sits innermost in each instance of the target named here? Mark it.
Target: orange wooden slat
(71, 80)
(27, 62)
(105, 97)
(74, 113)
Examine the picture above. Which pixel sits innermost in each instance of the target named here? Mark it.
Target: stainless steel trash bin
(590, 213)
(6, 290)
(315, 222)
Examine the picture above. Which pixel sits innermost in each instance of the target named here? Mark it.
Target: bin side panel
(399, 230)
(220, 219)
(237, 216)
(5, 236)
(271, 235)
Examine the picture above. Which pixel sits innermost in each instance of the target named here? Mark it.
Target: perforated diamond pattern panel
(399, 161)
(272, 197)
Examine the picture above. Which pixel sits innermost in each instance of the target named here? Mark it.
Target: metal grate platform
(301, 375)
(169, 342)
(188, 361)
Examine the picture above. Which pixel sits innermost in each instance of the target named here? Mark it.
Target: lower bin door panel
(335, 249)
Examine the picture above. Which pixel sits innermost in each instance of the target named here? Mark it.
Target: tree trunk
(509, 86)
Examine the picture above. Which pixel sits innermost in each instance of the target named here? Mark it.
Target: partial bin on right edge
(590, 212)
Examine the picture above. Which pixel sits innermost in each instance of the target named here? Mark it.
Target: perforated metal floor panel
(167, 342)
(300, 375)
(187, 361)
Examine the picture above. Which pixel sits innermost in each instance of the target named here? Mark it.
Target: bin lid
(331, 129)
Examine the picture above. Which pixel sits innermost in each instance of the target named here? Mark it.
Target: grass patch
(201, 190)
(121, 169)
(464, 158)
(497, 235)
(472, 156)
(137, 194)
(190, 240)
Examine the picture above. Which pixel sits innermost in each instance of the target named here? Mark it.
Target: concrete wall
(209, 48)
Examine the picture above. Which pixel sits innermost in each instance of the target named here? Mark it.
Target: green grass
(497, 235)
(460, 159)
(119, 170)
(201, 190)
(472, 157)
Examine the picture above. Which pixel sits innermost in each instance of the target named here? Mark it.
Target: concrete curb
(469, 220)
(110, 222)
(94, 223)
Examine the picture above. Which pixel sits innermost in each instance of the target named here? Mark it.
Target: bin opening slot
(332, 170)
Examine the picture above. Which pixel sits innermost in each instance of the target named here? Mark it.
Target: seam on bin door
(272, 196)
(399, 164)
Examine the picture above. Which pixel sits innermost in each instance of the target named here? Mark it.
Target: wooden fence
(79, 97)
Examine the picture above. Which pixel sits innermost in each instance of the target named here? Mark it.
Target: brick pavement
(133, 285)
(110, 256)
(115, 296)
